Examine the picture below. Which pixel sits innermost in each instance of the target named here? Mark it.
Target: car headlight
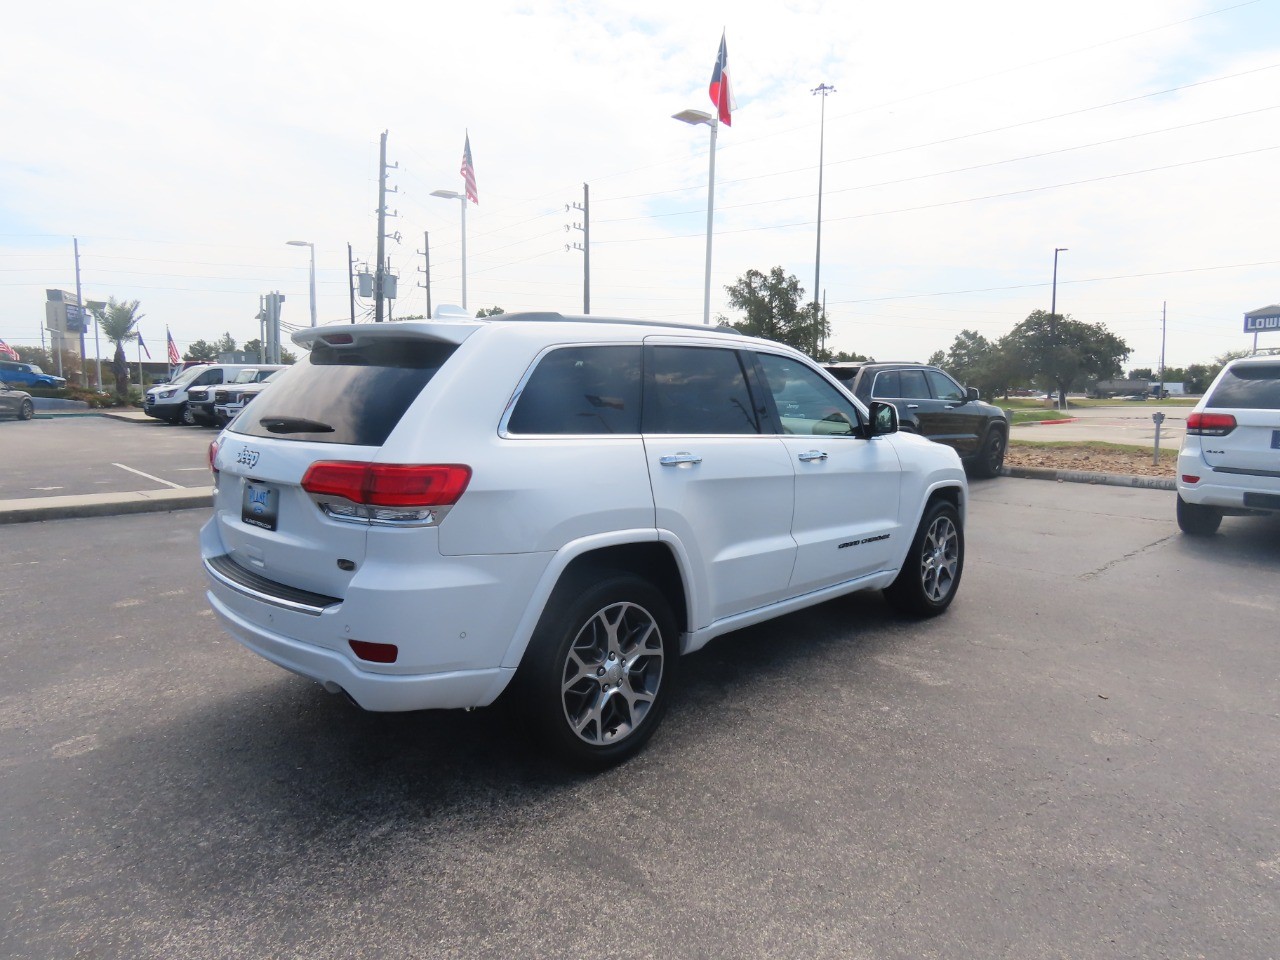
(166, 394)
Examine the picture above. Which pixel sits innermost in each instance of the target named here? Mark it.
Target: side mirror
(884, 419)
(971, 394)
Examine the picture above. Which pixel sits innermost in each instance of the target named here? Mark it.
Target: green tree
(844, 356)
(490, 312)
(118, 321)
(227, 344)
(1196, 378)
(203, 351)
(775, 309)
(1063, 352)
(937, 359)
(1141, 373)
(41, 357)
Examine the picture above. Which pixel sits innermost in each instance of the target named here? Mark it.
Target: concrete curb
(104, 504)
(1084, 476)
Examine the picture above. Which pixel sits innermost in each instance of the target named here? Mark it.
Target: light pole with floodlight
(455, 195)
(306, 243)
(696, 117)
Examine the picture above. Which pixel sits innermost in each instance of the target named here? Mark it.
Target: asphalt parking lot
(92, 455)
(1079, 760)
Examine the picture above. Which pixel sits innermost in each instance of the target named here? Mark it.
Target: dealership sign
(1260, 321)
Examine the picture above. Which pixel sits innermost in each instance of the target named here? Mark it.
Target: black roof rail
(547, 316)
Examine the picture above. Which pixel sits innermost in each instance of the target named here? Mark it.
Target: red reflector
(338, 339)
(1210, 424)
(388, 484)
(213, 457)
(1188, 478)
(375, 652)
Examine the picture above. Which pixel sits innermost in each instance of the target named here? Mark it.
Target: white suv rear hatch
(328, 417)
(1249, 393)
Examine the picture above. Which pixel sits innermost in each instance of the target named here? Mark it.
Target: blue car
(28, 375)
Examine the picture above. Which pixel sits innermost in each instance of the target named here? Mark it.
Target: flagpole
(711, 210)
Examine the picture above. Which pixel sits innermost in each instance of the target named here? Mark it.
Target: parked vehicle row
(189, 397)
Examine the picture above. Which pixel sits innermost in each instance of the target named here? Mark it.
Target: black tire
(27, 410)
(930, 575)
(597, 676)
(1198, 520)
(186, 416)
(991, 455)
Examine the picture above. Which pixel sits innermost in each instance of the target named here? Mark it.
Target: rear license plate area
(260, 506)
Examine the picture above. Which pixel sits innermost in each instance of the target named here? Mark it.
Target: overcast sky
(184, 145)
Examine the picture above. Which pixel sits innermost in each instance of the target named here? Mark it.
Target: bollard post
(1158, 417)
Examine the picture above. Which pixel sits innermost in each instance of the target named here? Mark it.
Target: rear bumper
(379, 692)
(1229, 491)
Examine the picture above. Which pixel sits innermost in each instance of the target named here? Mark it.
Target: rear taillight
(375, 652)
(386, 492)
(1210, 424)
(213, 459)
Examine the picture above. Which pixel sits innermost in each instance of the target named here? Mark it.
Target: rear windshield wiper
(294, 425)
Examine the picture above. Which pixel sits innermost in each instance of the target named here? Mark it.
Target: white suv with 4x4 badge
(422, 515)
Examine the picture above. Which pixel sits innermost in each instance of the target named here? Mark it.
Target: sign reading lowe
(1260, 321)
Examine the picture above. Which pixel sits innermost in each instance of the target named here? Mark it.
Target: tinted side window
(208, 377)
(914, 386)
(944, 388)
(581, 390)
(696, 390)
(888, 385)
(1252, 386)
(807, 404)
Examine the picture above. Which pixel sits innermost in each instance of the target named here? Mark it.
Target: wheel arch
(584, 561)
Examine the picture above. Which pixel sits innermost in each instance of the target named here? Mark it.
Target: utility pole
(822, 90)
(585, 245)
(379, 278)
(425, 253)
(84, 374)
(1164, 318)
(351, 282)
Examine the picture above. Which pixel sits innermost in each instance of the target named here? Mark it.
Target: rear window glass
(581, 390)
(1251, 386)
(346, 394)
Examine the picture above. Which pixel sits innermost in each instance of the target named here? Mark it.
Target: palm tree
(118, 322)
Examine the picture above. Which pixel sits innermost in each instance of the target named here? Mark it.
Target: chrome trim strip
(1242, 472)
(275, 601)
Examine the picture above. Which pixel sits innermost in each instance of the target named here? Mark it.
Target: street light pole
(822, 89)
(1053, 312)
(304, 243)
(696, 117)
(1053, 302)
(462, 198)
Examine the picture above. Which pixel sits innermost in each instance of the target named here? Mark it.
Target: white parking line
(176, 486)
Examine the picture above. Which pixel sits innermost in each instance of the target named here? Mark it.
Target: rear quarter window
(353, 394)
(1249, 386)
(581, 390)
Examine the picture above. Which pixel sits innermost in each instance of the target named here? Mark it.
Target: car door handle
(674, 460)
(913, 406)
(813, 455)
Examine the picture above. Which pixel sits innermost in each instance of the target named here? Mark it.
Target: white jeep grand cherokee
(425, 514)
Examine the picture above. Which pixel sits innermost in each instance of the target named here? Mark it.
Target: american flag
(8, 351)
(175, 357)
(720, 90)
(468, 172)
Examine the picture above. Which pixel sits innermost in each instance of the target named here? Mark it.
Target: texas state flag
(721, 93)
